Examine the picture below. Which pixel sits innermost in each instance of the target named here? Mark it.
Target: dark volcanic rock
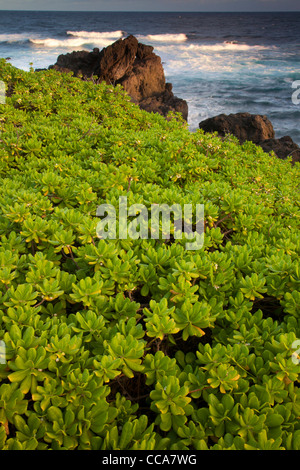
(131, 64)
(116, 60)
(283, 148)
(244, 126)
(164, 102)
(78, 62)
(254, 128)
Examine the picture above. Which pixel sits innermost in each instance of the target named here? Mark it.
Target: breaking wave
(97, 35)
(14, 38)
(80, 38)
(164, 37)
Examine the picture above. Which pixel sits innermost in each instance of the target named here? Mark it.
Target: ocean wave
(164, 37)
(228, 46)
(97, 35)
(196, 60)
(14, 38)
(80, 38)
(218, 47)
(72, 42)
(235, 45)
(103, 39)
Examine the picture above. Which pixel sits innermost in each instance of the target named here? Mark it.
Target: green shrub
(141, 344)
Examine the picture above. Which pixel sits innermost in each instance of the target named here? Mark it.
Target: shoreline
(142, 69)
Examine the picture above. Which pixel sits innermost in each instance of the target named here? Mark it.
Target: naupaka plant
(139, 343)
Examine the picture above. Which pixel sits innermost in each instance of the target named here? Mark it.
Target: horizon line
(155, 11)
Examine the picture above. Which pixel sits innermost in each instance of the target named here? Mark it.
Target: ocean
(218, 62)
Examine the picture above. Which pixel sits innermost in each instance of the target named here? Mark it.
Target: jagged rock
(145, 78)
(116, 60)
(283, 148)
(131, 64)
(244, 126)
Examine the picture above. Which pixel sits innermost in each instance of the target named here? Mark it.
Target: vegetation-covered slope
(141, 344)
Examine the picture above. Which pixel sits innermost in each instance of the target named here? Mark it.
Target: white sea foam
(188, 59)
(80, 38)
(164, 38)
(219, 47)
(10, 38)
(72, 42)
(228, 46)
(97, 35)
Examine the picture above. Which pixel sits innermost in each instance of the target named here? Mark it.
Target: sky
(153, 5)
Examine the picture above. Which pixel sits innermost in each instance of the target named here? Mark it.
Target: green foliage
(141, 344)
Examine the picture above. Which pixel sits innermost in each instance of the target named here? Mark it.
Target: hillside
(141, 344)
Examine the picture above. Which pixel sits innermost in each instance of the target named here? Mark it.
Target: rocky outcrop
(283, 148)
(255, 128)
(131, 64)
(244, 126)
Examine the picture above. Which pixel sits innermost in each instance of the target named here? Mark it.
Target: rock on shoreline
(244, 126)
(283, 148)
(255, 128)
(131, 64)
